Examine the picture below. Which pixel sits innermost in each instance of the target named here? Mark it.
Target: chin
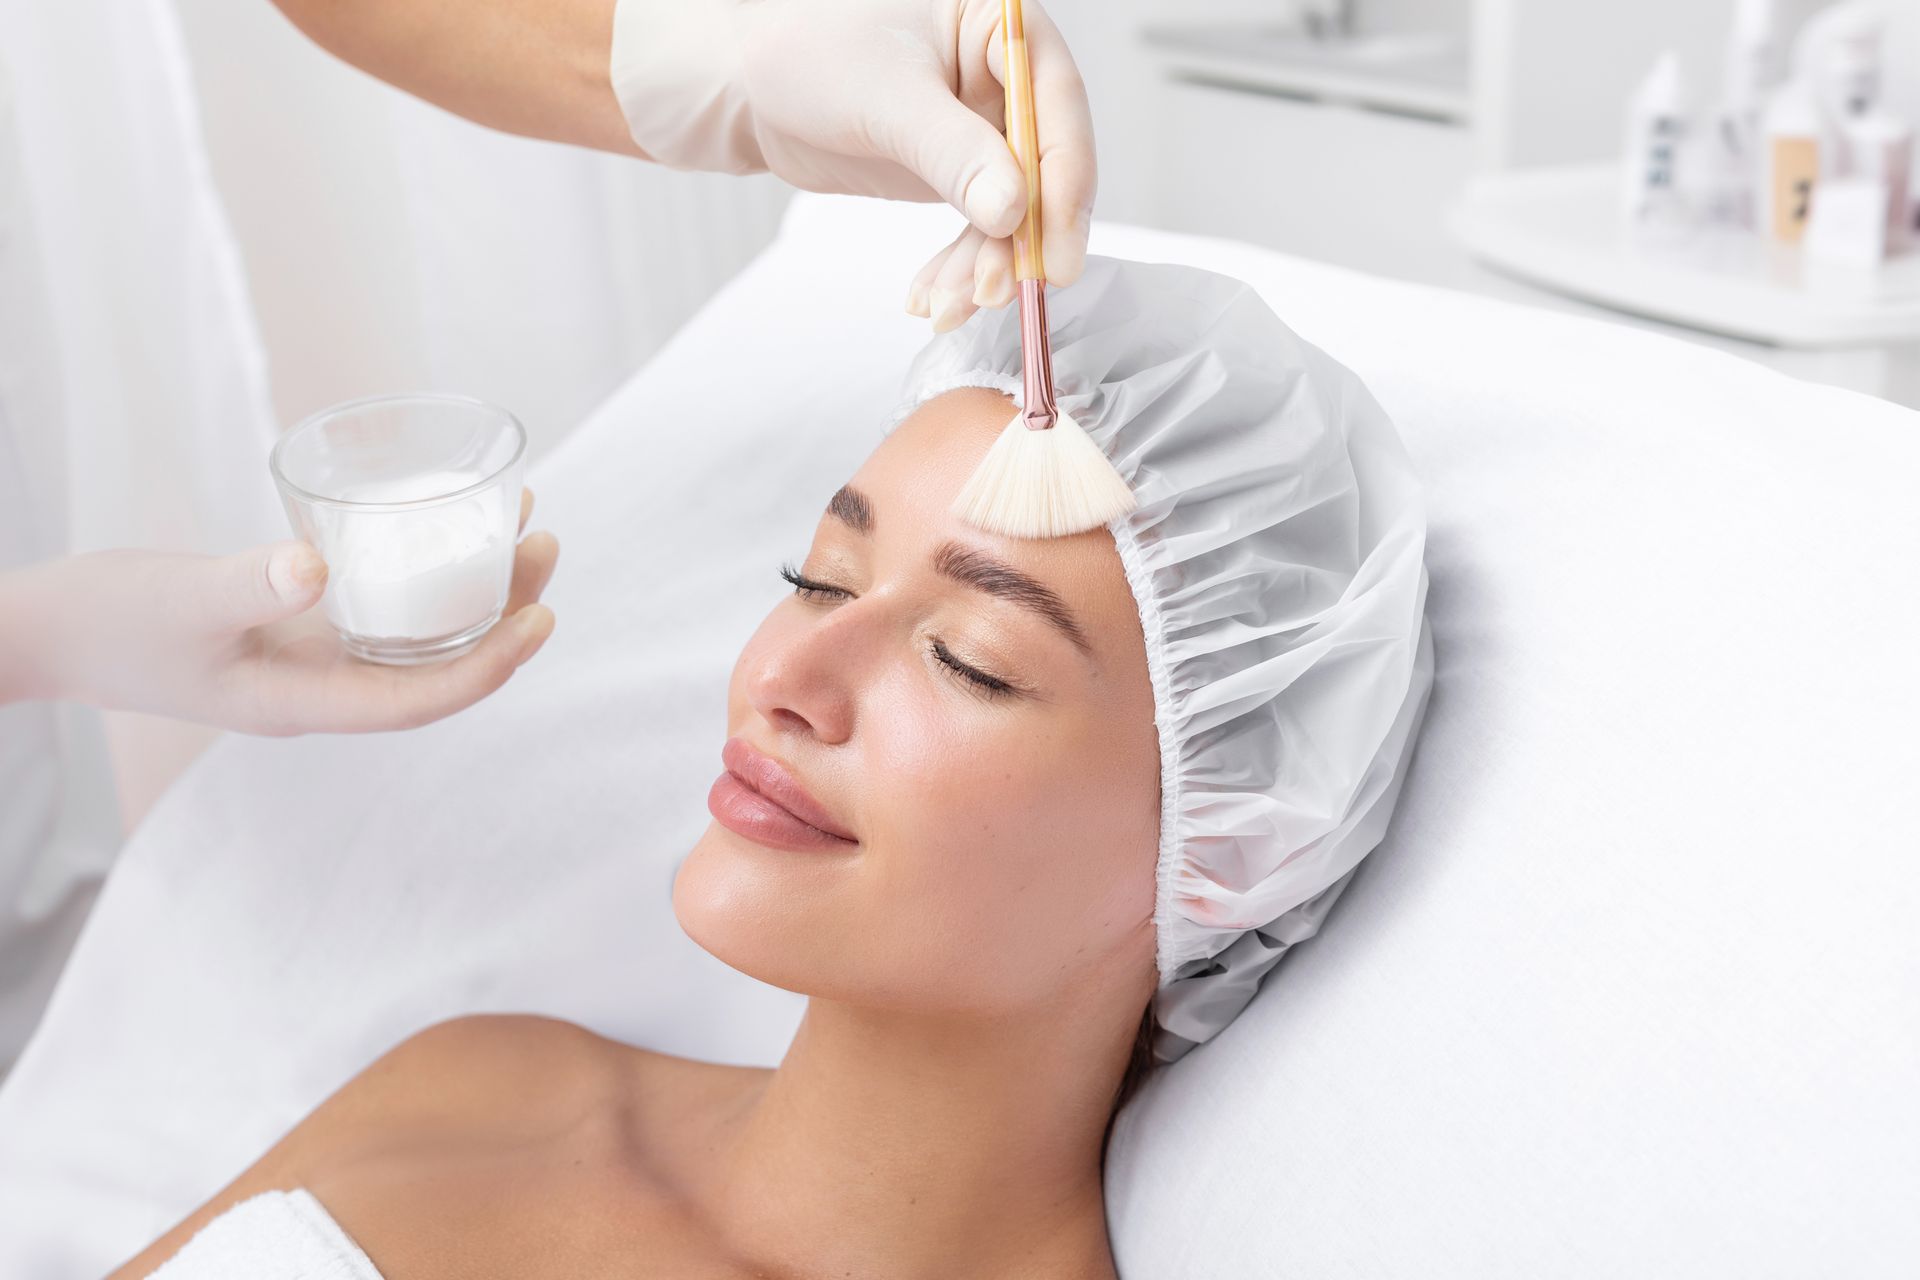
(771, 914)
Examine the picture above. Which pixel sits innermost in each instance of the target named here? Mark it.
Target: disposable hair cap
(1277, 559)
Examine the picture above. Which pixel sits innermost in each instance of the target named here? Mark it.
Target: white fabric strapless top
(276, 1235)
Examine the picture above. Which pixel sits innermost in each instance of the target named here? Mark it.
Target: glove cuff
(675, 70)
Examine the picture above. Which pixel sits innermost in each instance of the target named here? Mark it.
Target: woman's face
(942, 783)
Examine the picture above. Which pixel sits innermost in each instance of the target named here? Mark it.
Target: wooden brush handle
(1023, 136)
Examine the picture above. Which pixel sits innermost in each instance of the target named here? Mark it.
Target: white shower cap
(1276, 558)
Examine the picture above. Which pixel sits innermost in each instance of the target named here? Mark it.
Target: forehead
(911, 480)
(923, 462)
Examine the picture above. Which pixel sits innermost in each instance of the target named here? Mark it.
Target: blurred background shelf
(1471, 144)
(1560, 228)
(1422, 74)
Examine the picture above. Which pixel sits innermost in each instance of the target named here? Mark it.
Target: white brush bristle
(1043, 484)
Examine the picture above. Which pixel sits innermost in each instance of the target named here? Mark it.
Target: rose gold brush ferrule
(1036, 356)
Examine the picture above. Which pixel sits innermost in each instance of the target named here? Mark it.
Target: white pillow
(1631, 988)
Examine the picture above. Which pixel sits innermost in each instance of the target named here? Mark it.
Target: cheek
(1018, 845)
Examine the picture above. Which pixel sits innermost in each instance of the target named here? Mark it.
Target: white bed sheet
(1631, 989)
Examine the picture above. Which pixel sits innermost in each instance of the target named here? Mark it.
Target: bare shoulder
(447, 1125)
(474, 1082)
(513, 1145)
(461, 1070)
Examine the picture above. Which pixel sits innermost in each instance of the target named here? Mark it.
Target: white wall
(394, 247)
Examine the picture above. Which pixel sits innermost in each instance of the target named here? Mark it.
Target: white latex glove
(895, 98)
(235, 641)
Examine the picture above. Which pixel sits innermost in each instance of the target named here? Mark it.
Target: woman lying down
(1022, 818)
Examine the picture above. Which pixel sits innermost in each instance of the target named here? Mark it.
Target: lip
(759, 798)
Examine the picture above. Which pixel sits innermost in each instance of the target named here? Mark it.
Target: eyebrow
(851, 506)
(971, 568)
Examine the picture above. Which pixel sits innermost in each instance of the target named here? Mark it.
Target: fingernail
(1065, 261)
(994, 203)
(994, 291)
(535, 623)
(949, 310)
(297, 571)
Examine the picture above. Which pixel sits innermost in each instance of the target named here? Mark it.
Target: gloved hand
(235, 641)
(895, 98)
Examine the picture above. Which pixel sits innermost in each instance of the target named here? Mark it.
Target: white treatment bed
(1633, 987)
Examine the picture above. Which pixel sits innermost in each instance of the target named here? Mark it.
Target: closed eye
(987, 685)
(807, 589)
(977, 681)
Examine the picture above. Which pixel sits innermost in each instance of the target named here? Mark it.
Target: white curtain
(190, 197)
(155, 361)
(133, 401)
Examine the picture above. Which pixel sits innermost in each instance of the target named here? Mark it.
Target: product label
(1795, 168)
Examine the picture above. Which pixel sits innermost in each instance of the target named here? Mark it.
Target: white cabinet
(1345, 149)
(1345, 184)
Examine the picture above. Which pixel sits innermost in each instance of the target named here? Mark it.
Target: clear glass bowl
(414, 503)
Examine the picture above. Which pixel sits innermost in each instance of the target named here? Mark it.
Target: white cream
(417, 574)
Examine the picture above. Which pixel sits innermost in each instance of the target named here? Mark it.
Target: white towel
(276, 1235)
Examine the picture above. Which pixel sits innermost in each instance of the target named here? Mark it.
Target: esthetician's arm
(533, 67)
(894, 98)
(235, 641)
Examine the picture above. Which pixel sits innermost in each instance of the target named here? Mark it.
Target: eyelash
(978, 682)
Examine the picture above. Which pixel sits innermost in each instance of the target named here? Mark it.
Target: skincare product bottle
(1753, 57)
(1723, 163)
(1656, 126)
(1880, 153)
(1839, 49)
(1791, 157)
(1728, 158)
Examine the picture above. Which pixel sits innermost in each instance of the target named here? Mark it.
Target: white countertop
(1561, 229)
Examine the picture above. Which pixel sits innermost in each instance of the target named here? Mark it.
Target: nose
(803, 679)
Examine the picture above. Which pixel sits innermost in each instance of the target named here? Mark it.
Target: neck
(906, 1145)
